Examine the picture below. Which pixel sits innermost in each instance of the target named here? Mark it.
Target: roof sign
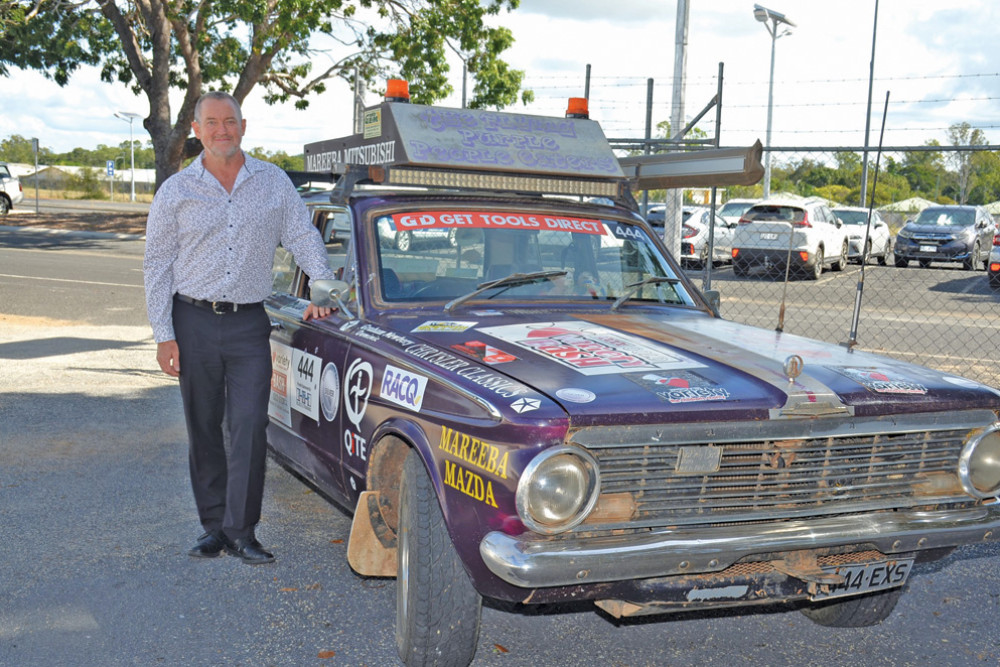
(417, 135)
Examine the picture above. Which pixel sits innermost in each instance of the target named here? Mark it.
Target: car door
(308, 367)
(723, 237)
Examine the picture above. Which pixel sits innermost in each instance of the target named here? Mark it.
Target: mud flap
(371, 550)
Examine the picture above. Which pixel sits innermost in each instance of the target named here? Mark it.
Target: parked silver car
(879, 245)
(11, 191)
(694, 236)
(734, 209)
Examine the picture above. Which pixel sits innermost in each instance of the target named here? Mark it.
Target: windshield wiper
(513, 280)
(632, 288)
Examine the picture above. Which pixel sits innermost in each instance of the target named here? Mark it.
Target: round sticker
(575, 395)
(329, 391)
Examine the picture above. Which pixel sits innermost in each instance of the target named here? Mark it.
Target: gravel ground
(97, 221)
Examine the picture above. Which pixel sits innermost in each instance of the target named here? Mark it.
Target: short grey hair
(218, 95)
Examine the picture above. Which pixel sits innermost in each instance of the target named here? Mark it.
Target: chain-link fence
(939, 313)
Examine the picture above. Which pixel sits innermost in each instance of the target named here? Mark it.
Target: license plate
(928, 248)
(867, 578)
(769, 236)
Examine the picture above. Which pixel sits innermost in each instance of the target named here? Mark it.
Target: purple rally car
(529, 401)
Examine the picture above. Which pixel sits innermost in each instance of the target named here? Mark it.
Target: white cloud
(925, 52)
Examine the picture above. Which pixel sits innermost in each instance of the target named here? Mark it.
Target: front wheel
(886, 256)
(841, 262)
(404, 240)
(4, 205)
(437, 609)
(973, 260)
(854, 612)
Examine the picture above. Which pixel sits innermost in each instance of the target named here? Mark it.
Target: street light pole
(764, 15)
(130, 116)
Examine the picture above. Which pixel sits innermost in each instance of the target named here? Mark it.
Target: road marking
(67, 280)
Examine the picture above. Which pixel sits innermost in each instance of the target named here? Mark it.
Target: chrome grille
(775, 479)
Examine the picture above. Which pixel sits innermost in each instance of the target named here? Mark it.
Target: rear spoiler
(713, 167)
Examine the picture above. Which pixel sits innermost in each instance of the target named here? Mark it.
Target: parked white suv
(11, 191)
(803, 233)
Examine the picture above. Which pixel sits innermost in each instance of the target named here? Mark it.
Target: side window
(282, 271)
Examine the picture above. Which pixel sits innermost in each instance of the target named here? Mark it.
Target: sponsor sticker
(523, 405)
(881, 380)
(357, 389)
(574, 395)
(403, 387)
(329, 391)
(446, 326)
(305, 390)
(496, 220)
(681, 387)
(483, 352)
(278, 405)
(590, 349)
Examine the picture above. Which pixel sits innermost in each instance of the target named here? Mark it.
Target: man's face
(219, 129)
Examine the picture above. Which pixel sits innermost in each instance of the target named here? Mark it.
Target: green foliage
(89, 183)
(280, 158)
(234, 45)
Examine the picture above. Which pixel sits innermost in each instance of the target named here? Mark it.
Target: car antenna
(853, 339)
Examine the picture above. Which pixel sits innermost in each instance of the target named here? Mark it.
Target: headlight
(558, 489)
(904, 234)
(979, 464)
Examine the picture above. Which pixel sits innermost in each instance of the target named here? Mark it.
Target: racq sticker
(496, 220)
(278, 405)
(590, 349)
(306, 370)
(445, 326)
(403, 387)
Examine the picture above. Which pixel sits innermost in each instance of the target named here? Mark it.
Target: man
(210, 239)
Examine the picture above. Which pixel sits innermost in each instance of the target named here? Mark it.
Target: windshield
(453, 256)
(852, 217)
(734, 208)
(775, 212)
(946, 217)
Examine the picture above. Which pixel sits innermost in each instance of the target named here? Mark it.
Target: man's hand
(169, 357)
(314, 312)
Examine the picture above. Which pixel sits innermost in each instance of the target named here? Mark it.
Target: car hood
(914, 228)
(637, 368)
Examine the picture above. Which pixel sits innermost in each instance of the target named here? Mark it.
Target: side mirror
(330, 294)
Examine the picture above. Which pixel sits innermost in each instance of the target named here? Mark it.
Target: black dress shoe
(209, 545)
(249, 550)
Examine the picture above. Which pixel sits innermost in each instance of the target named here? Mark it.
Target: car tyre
(854, 612)
(841, 262)
(900, 262)
(971, 263)
(4, 205)
(886, 256)
(404, 240)
(995, 282)
(924, 263)
(437, 608)
(817, 268)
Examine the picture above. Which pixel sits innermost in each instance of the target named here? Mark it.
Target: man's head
(219, 124)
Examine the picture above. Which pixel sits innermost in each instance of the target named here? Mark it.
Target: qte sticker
(306, 370)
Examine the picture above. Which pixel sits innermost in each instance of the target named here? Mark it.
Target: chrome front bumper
(540, 563)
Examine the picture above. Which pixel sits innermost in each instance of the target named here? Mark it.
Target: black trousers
(225, 365)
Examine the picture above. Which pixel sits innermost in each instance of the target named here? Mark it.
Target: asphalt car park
(97, 515)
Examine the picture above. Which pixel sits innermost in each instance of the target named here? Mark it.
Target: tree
(962, 134)
(233, 45)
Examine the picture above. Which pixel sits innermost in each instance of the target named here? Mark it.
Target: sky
(938, 64)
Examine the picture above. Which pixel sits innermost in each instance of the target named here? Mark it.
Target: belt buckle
(219, 307)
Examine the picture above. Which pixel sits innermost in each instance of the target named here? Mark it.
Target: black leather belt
(218, 307)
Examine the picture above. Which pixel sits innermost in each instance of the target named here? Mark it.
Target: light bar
(491, 181)
(696, 169)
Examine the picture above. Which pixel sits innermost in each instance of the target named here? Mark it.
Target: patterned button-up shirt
(210, 244)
